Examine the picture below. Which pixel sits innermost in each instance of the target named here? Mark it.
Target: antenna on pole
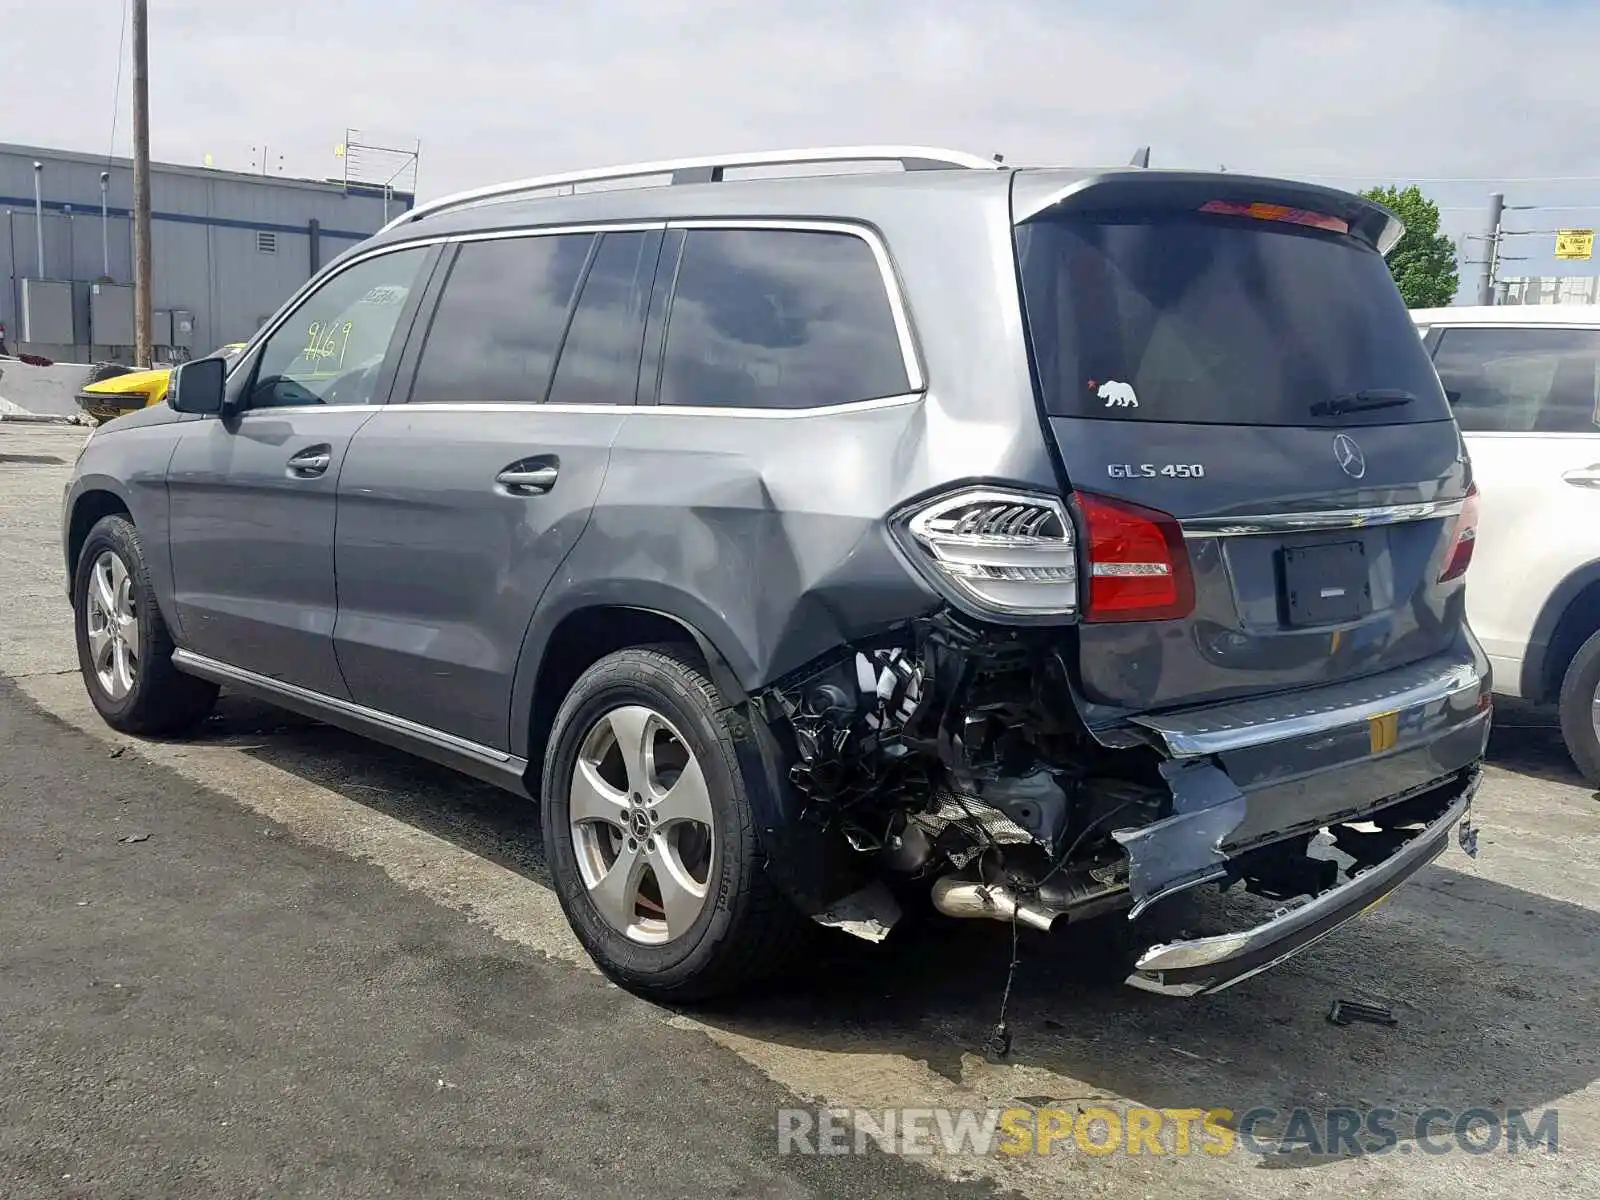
(385, 168)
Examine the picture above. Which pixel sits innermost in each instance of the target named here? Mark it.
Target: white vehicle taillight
(1463, 537)
(1008, 553)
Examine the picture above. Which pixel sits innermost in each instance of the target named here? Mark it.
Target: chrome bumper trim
(1219, 728)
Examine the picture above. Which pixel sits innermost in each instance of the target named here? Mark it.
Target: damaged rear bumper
(1209, 964)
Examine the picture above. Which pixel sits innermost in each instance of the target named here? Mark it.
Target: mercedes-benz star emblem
(1349, 457)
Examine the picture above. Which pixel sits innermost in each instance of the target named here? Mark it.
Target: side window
(600, 359)
(765, 318)
(494, 335)
(330, 349)
(1522, 380)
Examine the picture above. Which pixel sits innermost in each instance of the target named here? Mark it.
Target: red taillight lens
(1463, 537)
(1138, 566)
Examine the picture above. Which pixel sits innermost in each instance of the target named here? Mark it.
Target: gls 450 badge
(1156, 470)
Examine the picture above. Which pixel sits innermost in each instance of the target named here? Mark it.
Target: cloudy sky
(1473, 92)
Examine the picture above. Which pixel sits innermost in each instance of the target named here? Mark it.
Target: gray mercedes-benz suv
(1047, 542)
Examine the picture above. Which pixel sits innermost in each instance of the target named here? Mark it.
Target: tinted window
(500, 318)
(779, 319)
(600, 358)
(1522, 380)
(330, 349)
(1216, 320)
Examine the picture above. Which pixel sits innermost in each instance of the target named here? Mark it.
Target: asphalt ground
(276, 960)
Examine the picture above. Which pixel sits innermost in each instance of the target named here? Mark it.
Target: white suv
(1524, 382)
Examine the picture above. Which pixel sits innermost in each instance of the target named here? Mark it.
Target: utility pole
(142, 317)
(1491, 252)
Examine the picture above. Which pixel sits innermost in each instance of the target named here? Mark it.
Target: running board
(471, 758)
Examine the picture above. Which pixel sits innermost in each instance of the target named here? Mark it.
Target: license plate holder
(1324, 584)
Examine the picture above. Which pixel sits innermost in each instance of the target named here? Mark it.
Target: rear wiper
(1362, 401)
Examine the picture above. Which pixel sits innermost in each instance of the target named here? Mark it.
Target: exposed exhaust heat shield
(956, 897)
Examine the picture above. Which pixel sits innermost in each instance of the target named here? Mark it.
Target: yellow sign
(1575, 243)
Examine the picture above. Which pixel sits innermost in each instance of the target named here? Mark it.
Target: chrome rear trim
(1337, 518)
(1220, 728)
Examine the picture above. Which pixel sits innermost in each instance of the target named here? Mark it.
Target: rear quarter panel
(767, 532)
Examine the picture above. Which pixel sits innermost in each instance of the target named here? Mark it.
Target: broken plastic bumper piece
(1210, 964)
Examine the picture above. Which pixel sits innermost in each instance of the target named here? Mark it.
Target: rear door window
(1522, 380)
(600, 357)
(1217, 320)
(779, 319)
(500, 319)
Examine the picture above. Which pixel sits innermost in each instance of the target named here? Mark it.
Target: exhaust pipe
(956, 897)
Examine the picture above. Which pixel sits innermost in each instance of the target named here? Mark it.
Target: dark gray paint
(766, 534)
(1235, 643)
(440, 569)
(252, 542)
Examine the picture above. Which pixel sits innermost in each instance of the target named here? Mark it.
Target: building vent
(266, 243)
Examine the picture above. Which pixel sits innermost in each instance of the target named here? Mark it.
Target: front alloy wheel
(113, 625)
(124, 646)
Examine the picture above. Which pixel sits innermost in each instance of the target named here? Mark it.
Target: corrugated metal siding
(204, 248)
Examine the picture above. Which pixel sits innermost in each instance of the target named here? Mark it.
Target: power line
(116, 91)
(1523, 208)
(1401, 177)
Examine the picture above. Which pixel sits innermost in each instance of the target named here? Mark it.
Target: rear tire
(124, 647)
(739, 928)
(1580, 691)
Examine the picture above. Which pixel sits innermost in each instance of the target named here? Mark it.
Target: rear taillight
(1463, 537)
(1137, 563)
(1001, 552)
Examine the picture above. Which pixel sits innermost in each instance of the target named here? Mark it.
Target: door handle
(1584, 477)
(527, 479)
(311, 462)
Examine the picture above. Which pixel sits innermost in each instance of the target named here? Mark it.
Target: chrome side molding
(220, 672)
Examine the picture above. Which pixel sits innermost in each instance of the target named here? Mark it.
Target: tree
(1424, 262)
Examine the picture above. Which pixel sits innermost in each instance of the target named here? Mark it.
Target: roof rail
(708, 170)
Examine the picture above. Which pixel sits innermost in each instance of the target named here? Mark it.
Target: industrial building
(227, 248)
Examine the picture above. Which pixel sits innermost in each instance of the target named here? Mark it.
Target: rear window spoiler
(1043, 194)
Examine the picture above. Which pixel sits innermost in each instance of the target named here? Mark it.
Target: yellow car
(114, 389)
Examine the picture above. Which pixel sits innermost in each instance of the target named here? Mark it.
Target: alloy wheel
(642, 825)
(112, 620)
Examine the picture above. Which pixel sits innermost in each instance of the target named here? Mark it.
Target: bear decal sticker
(1118, 395)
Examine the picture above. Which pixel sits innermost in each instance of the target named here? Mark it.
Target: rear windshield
(1218, 320)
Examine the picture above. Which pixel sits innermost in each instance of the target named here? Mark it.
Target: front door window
(330, 349)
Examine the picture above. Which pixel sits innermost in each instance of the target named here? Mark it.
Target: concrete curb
(37, 419)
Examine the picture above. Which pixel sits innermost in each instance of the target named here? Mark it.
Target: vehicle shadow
(1492, 986)
(1526, 738)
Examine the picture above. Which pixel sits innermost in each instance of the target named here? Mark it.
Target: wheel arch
(94, 502)
(810, 865)
(565, 639)
(1570, 614)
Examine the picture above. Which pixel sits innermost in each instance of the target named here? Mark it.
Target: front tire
(1580, 710)
(124, 647)
(649, 833)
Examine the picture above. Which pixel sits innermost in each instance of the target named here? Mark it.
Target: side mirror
(198, 386)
